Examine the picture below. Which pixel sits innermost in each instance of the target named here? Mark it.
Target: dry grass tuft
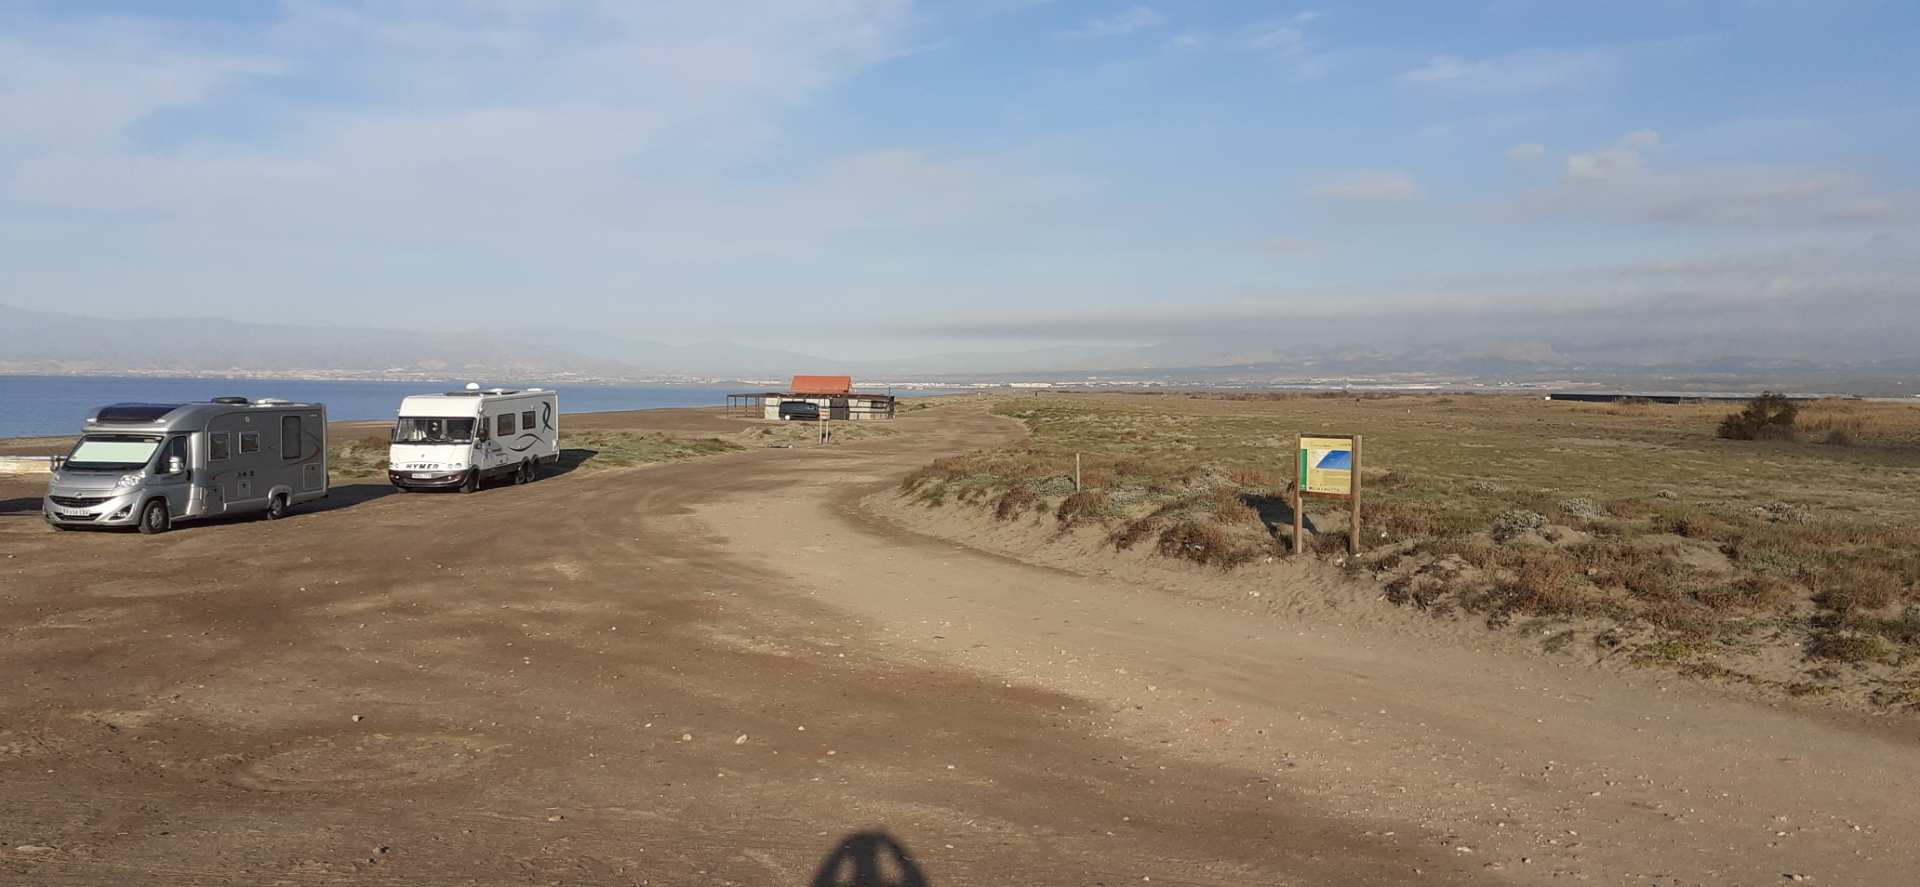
(1015, 502)
(1858, 589)
(1230, 508)
(1204, 542)
(1844, 647)
(1081, 507)
(1133, 532)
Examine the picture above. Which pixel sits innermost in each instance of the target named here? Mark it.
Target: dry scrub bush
(1232, 510)
(1693, 525)
(1840, 647)
(1081, 507)
(1756, 593)
(1400, 519)
(1511, 523)
(1767, 417)
(1629, 509)
(1203, 543)
(1013, 502)
(1252, 478)
(1133, 532)
(1582, 509)
(1547, 584)
(1858, 589)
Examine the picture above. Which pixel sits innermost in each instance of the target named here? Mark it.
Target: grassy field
(366, 457)
(1633, 526)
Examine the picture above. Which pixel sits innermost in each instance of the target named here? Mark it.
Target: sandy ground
(708, 673)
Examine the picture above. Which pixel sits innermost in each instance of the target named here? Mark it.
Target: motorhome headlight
(130, 480)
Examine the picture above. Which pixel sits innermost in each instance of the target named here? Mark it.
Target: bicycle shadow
(869, 859)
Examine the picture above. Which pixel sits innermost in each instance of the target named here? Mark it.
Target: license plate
(74, 515)
(418, 476)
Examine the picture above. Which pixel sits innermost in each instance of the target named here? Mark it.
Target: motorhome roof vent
(270, 401)
(135, 413)
(232, 399)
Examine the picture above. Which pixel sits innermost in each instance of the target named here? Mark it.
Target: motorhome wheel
(276, 508)
(472, 482)
(154, 517)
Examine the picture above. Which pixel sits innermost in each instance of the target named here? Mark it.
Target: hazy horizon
(1067, 182)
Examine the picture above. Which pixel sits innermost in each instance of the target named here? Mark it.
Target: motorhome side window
(526, 421)
(506, 424)
(176, 449)
(249, 442)
(219, 446)
(290, 437)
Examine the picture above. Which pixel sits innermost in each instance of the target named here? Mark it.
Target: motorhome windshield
(424, 430)
(112, 452)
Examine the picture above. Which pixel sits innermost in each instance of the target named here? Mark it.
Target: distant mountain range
(33, 341)
(50, 342)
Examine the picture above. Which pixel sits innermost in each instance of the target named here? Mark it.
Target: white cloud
(87, 87)
(1526, 152)
(1622, 180)
(1366, 186)
(1518, 73)
(1119, 24)
(404, 152)
(1286, 36)
(1621, 158)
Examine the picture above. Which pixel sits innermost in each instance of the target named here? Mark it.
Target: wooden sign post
(1328, 467)
(1299, 518)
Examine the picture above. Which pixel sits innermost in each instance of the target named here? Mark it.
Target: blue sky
(1507, 175)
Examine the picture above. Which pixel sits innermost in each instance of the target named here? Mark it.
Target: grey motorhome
(459, 439)
(152, 464)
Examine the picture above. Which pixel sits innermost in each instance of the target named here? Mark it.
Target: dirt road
(708, 673)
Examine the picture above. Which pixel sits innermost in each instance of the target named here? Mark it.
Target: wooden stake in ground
(1353, 502)
(1076, 472)
(1299, 514)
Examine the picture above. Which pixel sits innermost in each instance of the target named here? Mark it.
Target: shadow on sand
(570, 459)
(869, 859)
(1277, 514)
(339, 498)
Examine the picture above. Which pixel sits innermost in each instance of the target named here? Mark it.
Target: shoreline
(9, 445)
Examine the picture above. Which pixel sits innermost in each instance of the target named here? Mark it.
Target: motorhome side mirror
(175, 465)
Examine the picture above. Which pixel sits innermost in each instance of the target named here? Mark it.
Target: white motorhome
(463, 438)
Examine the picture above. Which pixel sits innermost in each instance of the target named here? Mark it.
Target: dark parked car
(799, 411)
